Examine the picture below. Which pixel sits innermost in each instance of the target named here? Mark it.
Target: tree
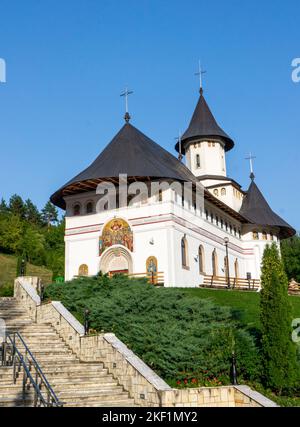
(11, 231)
(31, 213)
(3, 207)
(280, 368)
(16, 206)
(49, 214)
(290, 249)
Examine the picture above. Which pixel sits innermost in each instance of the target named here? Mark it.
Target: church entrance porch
(116, 260)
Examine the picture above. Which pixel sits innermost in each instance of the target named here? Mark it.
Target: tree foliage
(290, 249)
(281, 370)
(27, 232)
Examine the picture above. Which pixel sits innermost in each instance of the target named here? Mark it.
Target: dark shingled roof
(132, 153)
(203, 125)
(257, 211)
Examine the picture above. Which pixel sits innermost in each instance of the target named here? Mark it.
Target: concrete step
(15, 402)
(90, 385)
(98, 404)
(96, 395)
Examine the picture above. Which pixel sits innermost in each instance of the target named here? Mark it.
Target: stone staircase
(75, 383)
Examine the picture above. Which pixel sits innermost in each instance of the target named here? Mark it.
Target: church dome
(132, 153)
(203, 125)
(257, 211)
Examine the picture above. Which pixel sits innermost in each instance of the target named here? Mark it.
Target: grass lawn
(8, 266)
(246, 303)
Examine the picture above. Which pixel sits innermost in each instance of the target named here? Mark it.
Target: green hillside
(8, 266)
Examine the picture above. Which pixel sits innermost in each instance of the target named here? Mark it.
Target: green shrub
(183, 338)
(281, 370)
(7, 290)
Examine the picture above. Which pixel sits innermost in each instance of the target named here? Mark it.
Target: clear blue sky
(68, 61)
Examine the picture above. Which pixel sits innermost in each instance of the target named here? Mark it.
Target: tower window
(76, 209)
(216, 192)
(223, 191)
(198, 164)
(255, 235)
(89, 207)
(264, 235)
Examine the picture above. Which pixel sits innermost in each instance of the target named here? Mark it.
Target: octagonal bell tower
(204, 143)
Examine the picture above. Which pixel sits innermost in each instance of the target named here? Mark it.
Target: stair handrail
(52, 399)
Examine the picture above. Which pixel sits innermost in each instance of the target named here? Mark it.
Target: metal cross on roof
(126, 93)
(200, 74)
(251, 158)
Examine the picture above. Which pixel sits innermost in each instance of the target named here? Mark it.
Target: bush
(183, 338)
(281, 370)
(7, 290)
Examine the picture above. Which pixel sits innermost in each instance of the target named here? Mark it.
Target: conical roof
(203, 125)
(257, 211)
(132, 153)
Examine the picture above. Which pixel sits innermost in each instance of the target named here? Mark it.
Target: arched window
(264, 235)
(217, 220)
(212, 217)
(255, 235)
(223, 191)
(201, 260)
(184, 253)
(216, 192)
(214, 263)
(89, 207)
(206, 214)
(160, 195)
(198, 164)
(222, 223)
(76, 209)
(271, 236)
(83, 270)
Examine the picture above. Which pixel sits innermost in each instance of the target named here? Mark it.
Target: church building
(168, 236)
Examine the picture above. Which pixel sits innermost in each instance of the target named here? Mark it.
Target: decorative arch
(116, 260)
(215, 263)
(201, 257)
(83, 270)
(116, 232)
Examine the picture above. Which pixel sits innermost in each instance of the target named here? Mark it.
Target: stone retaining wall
(142, 383)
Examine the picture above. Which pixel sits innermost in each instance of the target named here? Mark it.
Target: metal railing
(16, 353)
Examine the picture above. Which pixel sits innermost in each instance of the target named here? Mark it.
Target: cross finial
(251, 158)
(126, 93)
(178, 138)
(200, 74)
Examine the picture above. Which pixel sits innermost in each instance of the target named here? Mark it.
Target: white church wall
(158, 229)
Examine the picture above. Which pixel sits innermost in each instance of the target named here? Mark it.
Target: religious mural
(116, 232)
(151, 268)
(83, 270)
